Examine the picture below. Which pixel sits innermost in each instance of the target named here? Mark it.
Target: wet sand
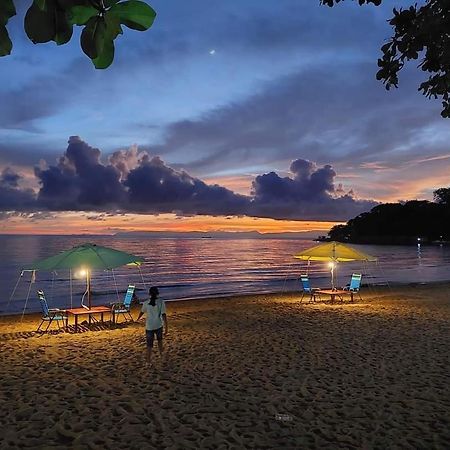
(245, 372)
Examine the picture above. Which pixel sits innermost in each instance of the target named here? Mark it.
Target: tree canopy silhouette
(418, 31)
(399, 223)
(102, 21)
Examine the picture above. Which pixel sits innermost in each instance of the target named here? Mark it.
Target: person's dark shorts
(150, 336)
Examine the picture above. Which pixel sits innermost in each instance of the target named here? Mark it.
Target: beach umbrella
(85, 258)
(333, 252)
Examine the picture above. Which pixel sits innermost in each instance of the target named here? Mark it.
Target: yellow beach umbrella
(333, 252)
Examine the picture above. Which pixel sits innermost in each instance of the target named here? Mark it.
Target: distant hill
(217, 235)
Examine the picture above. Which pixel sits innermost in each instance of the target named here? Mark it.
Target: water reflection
(187, 268)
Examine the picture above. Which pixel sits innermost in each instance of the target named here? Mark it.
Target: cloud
(12, 197)
(80, 181)
(309, 193)
(133, 181)
(155, 187)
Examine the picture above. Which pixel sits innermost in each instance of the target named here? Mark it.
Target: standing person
(155, 310)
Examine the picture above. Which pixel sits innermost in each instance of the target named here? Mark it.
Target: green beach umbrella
(85, 258)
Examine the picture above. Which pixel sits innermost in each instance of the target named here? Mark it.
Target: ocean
(199, 268)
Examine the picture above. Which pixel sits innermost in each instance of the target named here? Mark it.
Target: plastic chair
(50, 314)
(124, 308)
(307, 289)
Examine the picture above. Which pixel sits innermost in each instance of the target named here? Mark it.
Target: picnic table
(333, 293)
(76, 312)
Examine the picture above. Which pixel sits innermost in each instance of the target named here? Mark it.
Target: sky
(239, 115)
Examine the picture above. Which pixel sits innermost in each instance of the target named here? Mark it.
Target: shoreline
(365, 288)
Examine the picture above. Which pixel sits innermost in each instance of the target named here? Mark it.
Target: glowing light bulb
(331, 265)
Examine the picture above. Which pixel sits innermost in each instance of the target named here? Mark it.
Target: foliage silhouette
(418, 31)
(400, 223)
(53, 20)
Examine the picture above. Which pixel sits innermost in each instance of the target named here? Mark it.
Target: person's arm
(141, 313)
(166, 329)
(164, 316)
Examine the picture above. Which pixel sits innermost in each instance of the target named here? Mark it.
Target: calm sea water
(196, 268)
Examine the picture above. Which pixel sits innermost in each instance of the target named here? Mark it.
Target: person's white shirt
(153, 314)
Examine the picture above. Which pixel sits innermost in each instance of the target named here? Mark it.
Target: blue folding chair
(307, 289)
(124, 308)
(50, 314)
(355, 284)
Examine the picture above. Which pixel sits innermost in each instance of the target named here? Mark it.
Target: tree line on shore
(400, 223)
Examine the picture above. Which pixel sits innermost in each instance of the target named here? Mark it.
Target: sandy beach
(245, 372)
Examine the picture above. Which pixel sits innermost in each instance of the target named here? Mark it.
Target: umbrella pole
(332, 275)
(88, 287)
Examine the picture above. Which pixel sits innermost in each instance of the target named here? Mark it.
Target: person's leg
(159, 336)
(149, 339)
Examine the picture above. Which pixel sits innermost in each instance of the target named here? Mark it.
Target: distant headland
(403, 223)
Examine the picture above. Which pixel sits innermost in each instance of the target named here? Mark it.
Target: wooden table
(86, 312)
(333, 293)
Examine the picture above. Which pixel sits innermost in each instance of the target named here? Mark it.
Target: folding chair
(124, 308)
(307, 289)
(49, 315)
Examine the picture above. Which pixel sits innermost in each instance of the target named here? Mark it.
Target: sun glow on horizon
(99, 223)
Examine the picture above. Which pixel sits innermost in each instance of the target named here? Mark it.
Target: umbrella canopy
(87, 256)
(333, 251)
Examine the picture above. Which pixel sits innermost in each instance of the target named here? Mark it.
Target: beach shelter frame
(333, 252)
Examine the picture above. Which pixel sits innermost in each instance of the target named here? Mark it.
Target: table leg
(89, 318)
(101, 317)
(76, 323)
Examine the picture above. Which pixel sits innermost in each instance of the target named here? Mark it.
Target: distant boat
(206, 237)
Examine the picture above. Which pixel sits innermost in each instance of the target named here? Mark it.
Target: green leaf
(113, 28)
(5, 42)
(105, 59)
(64, 28)
(66, 5)
(41, 4)
(134, 14)
(7, 10)
(80, 15)
(93, 37)
(109, 3)
(40, 25)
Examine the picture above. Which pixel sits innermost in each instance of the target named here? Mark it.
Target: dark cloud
(155, 187)
(12, 197)
(80, 181)
(9, 178)
(136, 182)
(309, 193)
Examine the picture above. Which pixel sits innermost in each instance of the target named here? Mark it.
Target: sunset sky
(238, 115)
